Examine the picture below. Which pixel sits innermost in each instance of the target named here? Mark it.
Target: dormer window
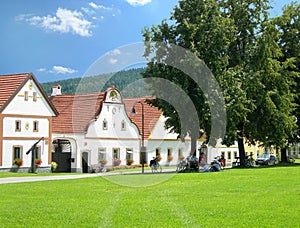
(104, 124)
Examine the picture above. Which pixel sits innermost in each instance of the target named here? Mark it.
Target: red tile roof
(75, 111)
(151, 114)
(11, 85)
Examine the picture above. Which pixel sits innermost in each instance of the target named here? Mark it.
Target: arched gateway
(61, 154)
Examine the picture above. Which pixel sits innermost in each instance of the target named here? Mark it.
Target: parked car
(266, 159)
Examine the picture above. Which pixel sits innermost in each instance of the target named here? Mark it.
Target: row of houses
(77, 131)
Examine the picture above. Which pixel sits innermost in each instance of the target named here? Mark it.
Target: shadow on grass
(283, 164)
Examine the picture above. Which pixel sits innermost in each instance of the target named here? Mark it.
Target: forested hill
(129, 82)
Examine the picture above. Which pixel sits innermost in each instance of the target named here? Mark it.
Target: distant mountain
(129, 82)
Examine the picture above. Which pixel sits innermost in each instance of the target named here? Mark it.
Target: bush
(54, 165)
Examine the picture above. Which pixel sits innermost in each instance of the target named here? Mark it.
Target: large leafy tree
(195, 24)
(237, 41)
(288, 26)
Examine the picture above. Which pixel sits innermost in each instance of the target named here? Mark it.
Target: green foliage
(232, 198)
(244, 49)
(288, 25)
(128, 81)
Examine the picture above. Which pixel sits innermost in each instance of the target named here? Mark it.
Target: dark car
(266, 159)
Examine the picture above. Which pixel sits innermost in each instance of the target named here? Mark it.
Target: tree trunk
(283, 155)
(193, 146)
(241, 149)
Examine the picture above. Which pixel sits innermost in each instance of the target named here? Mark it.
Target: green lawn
(258, 197)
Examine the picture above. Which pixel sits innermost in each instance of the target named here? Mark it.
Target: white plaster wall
(164, 145)
(159, 131)
(80, 144)
(10, 122)
(93, 145)
(19, 106)
(26, 145)
(114, 114)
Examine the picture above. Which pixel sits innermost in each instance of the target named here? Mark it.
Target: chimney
(56, 90)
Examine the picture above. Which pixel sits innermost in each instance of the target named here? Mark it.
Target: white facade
(111, 131)
(108, 136)
(25, 120)
(162, 142)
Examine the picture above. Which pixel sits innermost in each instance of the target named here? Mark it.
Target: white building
(25, 117)
(97, 126)
(80, 130)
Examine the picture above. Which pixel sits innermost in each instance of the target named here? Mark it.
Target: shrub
(54, 165)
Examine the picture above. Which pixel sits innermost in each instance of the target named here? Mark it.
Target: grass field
(259, 197)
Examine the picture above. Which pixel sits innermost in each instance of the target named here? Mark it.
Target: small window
(223, 154)
(235, 154)
(104, 124)
(35, 126)
(157, 152)
(26, 96)
(129, 153)
(101, 154)
(18, 125)
(116, 153)
(17, 152)
(228, 155)
(34, 96)
(123, 125)
(169, 152)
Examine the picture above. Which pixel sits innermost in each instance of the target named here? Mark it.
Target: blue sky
(60, 39)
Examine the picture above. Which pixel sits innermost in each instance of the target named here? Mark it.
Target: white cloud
(41, 69)
(138, 2)
(64, 21)
(113, 61)
(95, 6)
(62, 70)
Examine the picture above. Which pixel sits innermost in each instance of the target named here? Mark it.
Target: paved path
(9, 180)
